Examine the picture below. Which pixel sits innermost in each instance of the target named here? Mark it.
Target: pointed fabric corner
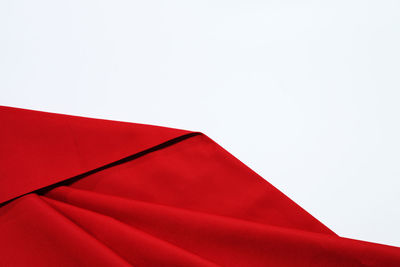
(38, 149)
(149, 196)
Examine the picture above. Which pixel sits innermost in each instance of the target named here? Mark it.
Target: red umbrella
(87, 192)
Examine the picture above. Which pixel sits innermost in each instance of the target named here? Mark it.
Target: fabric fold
(76, 191)
(38, 149)
(216, 237)
(137, 247)
(35, 234)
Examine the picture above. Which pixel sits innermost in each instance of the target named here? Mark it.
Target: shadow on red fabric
(76, 191)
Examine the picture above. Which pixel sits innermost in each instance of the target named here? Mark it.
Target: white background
(304, 92)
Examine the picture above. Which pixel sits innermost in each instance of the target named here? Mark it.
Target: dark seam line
(109, 165)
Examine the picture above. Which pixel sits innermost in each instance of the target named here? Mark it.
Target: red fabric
(88, 192)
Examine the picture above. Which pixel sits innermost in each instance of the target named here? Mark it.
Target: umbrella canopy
(76, 191)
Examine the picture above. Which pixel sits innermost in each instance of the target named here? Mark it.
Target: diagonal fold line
(109, 165)
(123, 160)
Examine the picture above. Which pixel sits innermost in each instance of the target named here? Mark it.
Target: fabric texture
(87, 192)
